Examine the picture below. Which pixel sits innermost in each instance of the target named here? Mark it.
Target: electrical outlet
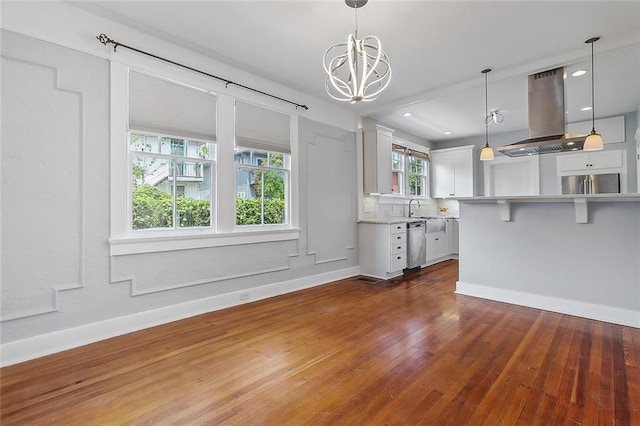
(245, 295)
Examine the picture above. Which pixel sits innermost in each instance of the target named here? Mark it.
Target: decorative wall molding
(553, 304)
(38, 346)
(341, 154)
(79, 283)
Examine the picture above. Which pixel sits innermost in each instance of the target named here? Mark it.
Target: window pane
(152, 202)
(396, 183)
(397, 161)
(274, 196)
(276, 160)
(193, 192)
(416, 166)
(143, 143)
(416, 185)
(198, 150)
(248, 198)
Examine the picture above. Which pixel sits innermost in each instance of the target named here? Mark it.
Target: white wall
(60, 286)
(543, 258)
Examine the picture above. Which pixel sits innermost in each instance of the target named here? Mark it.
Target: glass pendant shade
(486, 153)
(593, 142)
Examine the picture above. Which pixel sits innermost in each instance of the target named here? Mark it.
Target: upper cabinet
(590, 161)
(452, 172)
(377, 159)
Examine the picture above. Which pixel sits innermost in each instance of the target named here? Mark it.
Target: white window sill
(160, 243)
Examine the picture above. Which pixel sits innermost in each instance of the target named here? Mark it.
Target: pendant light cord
(355, 9)
(593, 107)
(486, 105)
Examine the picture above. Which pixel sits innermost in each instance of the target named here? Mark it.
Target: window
(172, 130)
(171, 182)
(262, 187)
(417, 177)
(397, 172)
(262, 158)
(408, 172)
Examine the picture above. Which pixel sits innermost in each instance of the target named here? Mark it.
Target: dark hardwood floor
(405, 351)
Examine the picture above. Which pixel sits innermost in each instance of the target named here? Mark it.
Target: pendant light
(594, 141)
(487, 151)
(360, 69)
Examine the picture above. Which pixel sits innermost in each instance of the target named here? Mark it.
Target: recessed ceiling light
(571, 143)
(578, 73)
(408, 114)
(586, 109)
(521, 149)
(447, 132)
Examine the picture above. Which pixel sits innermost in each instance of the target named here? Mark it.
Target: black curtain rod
(102, 38)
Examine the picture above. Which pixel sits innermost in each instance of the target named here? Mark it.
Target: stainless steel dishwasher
(416, 244)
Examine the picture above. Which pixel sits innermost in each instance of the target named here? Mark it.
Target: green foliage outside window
(248, 211)
(152, 208)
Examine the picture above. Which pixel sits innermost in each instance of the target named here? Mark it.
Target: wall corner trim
(554, 304)
(47, 344)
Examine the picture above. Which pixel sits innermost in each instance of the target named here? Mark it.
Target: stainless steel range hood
(546, 118)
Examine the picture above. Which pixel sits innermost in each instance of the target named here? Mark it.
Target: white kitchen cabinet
(442, 245)
(452, 172)
(383, 249)
(438, 245)
(588, 162)
(376, 149)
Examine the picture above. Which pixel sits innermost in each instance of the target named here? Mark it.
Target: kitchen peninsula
(574, 254)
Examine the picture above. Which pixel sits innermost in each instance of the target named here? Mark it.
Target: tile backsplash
(373, 208)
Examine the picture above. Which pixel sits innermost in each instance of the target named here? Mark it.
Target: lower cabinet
(443, 244)
(383, 249)
(437, 246)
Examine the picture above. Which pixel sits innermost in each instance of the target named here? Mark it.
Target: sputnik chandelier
(359, 70)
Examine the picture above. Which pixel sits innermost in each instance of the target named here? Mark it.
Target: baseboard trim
(47, 344)
(554, 304)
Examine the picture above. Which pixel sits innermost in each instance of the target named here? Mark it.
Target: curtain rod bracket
(104, 39)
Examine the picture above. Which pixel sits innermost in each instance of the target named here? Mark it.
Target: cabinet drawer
(398, 262)
(398, 248)
(398, 228)
(398, 238)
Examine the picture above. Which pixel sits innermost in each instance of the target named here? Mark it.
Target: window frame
(174, 160)
(286, 170)
(424, 177)
(405, 149)
(121, 240)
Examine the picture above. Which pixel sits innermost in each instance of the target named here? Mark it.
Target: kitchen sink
(435, 225)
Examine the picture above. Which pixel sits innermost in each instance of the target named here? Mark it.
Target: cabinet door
(377, 161)
(606, 159)
(432, 247)
(585, 162)
(441, 175)
(463, 173)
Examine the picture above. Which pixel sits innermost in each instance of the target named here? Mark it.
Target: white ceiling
(437, 50)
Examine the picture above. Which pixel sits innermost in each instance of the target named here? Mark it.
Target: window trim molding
(156, 243)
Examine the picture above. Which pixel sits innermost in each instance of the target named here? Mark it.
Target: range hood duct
(546, 118)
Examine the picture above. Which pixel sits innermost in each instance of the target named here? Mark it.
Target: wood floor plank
(397, 352)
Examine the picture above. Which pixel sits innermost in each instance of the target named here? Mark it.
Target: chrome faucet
(411, 201)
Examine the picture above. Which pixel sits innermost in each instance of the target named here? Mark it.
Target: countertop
(554, 198)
